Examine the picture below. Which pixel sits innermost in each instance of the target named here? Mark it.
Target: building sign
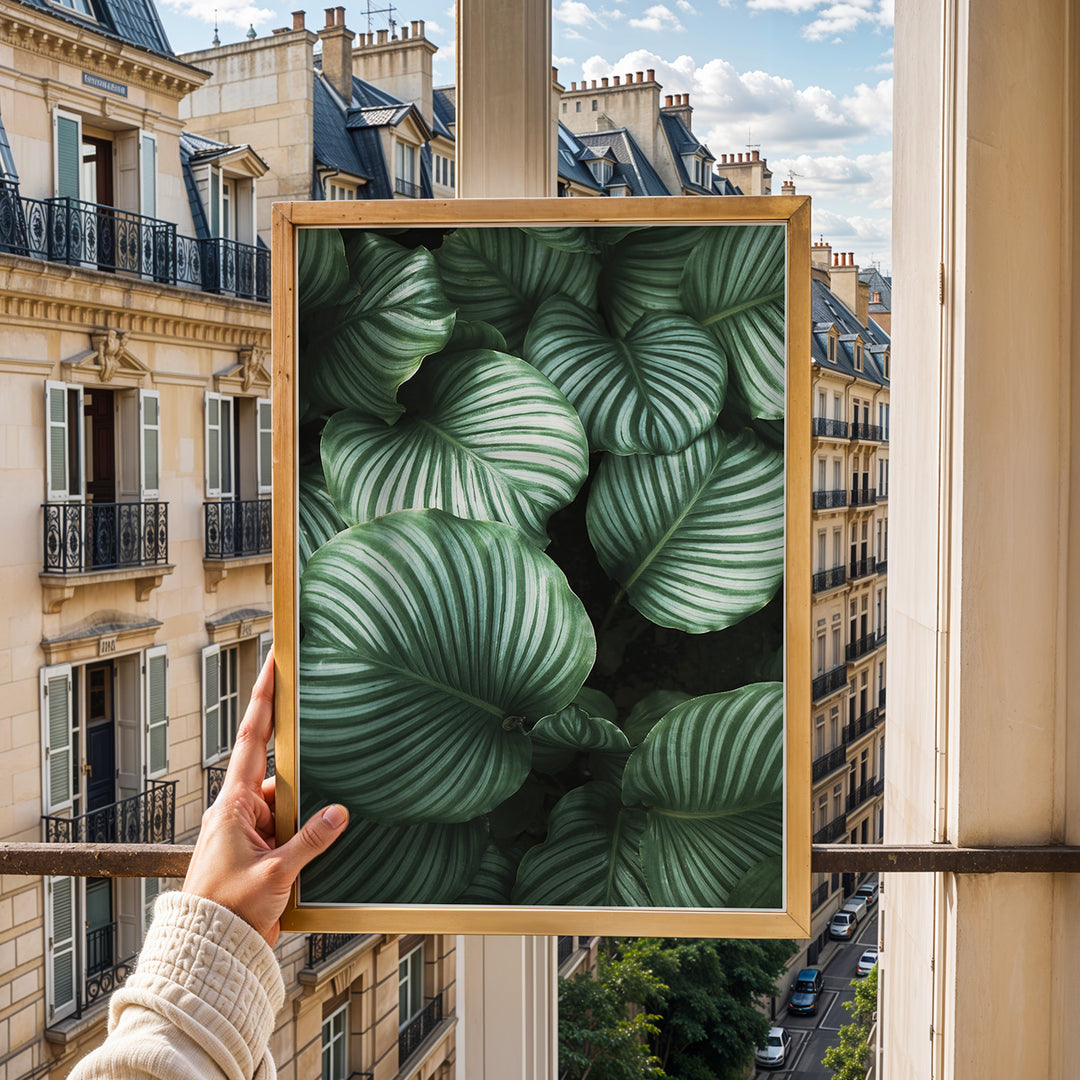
(107, 646)
(98, 83)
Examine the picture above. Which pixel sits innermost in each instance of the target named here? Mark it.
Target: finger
(269, 791)
(248, 764)
(316, 835)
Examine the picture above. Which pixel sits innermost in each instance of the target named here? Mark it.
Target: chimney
(615, 80)
(650, 75)
(821, 255)
(787, 187)
(679, 106)
(298, 20)
(404, 33)
(337, 47)
(400, 65)
(845, 285)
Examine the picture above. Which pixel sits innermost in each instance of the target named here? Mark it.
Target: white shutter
(266, 639)
(148, 174)
(265, 445)
(149, 445)
(60, 961)
(211, 711)
(56, 714)
(156, 683)
(151, 888)
(212, 442)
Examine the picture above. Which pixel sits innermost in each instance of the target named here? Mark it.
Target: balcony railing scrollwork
(831, 832)
(836, 429)
(321, 947)
(418, 1029)
(861, 646)
(407, 188)
(828, 762)
(828, 682)
(146, 818)
(861, 568)
(829, 579)
(869, 432)
(861, 725)
(819, 895)
(867, 790)
(566, 948)
(866, 496)
(104, 972)
(829, 500)
(83, 537)
(236, 528)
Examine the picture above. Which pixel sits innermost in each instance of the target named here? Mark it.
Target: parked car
(867, 961)
(857, 907)
(805, 992)
(775, 1051)
(842, 926)
(868, 890)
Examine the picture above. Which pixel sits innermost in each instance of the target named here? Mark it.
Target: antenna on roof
(217, 39)
(751, 145)
(388, 11)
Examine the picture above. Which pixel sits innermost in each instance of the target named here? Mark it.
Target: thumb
(314, 837)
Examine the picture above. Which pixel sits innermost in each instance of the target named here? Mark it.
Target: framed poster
(541, 563)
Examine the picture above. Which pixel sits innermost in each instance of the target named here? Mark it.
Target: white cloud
(833, 18)
(563, 61)
(223, 12)
(656, 19)
(575, 13)
(433, 28)
(792, 7)
(572, 35)
(686, 7)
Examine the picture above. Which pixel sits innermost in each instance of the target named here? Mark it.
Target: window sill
(314, 978)
(216, 570)
(65, 1033)
(58, 589)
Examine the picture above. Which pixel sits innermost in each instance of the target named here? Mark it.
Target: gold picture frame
(792, 918)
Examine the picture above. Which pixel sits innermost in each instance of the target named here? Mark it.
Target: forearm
(200, 1004)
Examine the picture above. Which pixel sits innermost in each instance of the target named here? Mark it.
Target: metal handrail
(418, 1029)
(828, 762)
(146, 818)
(79, 537)
(322, 946)
(828, 682)
(828, 579)
(837, 429)
(406, 187)
(236, 528)
(828, 500)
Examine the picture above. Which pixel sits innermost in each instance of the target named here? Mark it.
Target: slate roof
(683, 141)
(632, 165)
(443, 102)
(571, 168)
(201, 149)
(133, 21)
(377, 116)
(198, 150)
(827, 311)
(878, 284)
(353, 152)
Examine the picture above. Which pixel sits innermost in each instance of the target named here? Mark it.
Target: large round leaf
(591, 855)
(319, 519)
(322, 272)
(429, 641)
(647, 712)
(651, 391)
(494, 880)
(361, 352)
(557, 738)
(710, 776)
(396, 864)
(696, 539)
(502, 275)
(733, 284)
(642, 272)
(495, 442)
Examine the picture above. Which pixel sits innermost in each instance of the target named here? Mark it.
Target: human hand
(236, 862)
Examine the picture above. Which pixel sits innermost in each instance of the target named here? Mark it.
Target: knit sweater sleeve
(200, 1005)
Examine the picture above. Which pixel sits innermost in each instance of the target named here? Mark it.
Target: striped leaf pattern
(322, 274)
(575, 729)
(733, 285)
(591, 854)
(475, 335)
(496, 442)
(430, 641)
(642, 272)
(696, 539)
(360, 353)
(652, 390)
(710, 775)
(319, 519)
(645, 714)
(503, 275)
(565, 238)
(395, 864)
(494, 880)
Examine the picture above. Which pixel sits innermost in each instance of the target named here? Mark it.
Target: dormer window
(832, 349)
(80, 7)
(858, 356)
(337, 190)
(601, 170)
(875, 298)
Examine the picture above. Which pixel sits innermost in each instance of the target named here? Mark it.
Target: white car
(775, 1051)
(867, 961)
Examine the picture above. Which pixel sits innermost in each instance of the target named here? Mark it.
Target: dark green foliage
(850, 1059)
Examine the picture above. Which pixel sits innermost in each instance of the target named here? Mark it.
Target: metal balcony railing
(829, 579)
(406, 187)
(566, 948)
(104, 972)
(146, 818)
(863, 567)
(820, 895)
(863, 496)
(827, 500)
(418, 1029)
(215, 777)
(861, 646)
(861, 725)
(881, 700)
(868, 432)
(882, 566)
(321, 947)
(828, 682)
(828, 762)
(99, 237)
(833, 831)
(81, 537)
(867, 790)
(235, 528)
(836, 429)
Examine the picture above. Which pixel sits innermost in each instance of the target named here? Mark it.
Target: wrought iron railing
(80, 537)
(235, 528)
(406, 187)
(146, 818)
(215, 777)
(827, 500)
(861, 725)
(829, 579)
(863, 567)
(882, 566)
(104, 972)
(833, 831)
(866, 496)
(828, 682)
(837, 429)
(418, 1029)
(100, 237)
(566, 948)
(881, 699)
(867, 790)
(820, 895)
(321, 947)
(861, 646)
(828, 762)
(866, 431)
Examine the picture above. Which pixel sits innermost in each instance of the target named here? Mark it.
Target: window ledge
(216, 570)
(65, 1033)
(58, 589)
(412, 1067)
(314, 978)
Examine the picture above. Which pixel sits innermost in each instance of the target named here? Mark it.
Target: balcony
(820, 895)
(321, 947)
(97, 237)
(406, 188)
(861, 568)
(859, 727)
(829, 579)
(866, 432)
(829, 429)
(829, 500)
(566, 948)
(147, 818)
(861, 646)
(829, 762)
(881, 701)
(84, 537)
(237, 529)
(832, 832)
(866, 791)
(829, 682)
(104, 971)
(882, 565)
(215, 777)
(863, 496)
(418, 1029)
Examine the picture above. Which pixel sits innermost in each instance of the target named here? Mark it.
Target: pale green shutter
(212, 442)
(266, 447)
(150, 444)
(157, 711)
(211, 689)
(226, 446)
(57, 481)
(266, 639)
(68, 155)
(55, 685)
(59, 948)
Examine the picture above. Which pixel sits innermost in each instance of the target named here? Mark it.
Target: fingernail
(335, 816)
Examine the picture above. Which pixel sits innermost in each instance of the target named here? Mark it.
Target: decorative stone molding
(106, 634)
(237, 625)
(109, 360)
(248, 377)
(58, 589)
(216, 571)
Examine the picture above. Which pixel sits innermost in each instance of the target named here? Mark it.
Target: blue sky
(809, 81)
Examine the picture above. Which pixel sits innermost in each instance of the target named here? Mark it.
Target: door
(100, 765)
(129, 764)
(100, 419)
(96, 183)
(100, 927)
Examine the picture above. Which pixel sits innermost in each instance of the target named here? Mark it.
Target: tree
(849, 1060)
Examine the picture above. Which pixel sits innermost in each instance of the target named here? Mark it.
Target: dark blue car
(805, 992)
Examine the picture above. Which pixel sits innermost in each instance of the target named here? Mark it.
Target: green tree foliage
(850, 1060)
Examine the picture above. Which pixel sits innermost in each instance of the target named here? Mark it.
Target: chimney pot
(339, 16)
(382, 37)
(329, 17)
(740, 157)
(415, 32)
(298, 20)
(594, 84)
(667, 101)
(603, 82)
(404, 33)
(835, 259)
(573, 86)
(615, 80)
(419, 32)
(638, 77)
(650, 74)
(629, 76)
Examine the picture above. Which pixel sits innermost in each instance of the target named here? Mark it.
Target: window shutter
(215, 201)
(57, 480)
(151, 889)
(55, 683)
(148, 174)
(226, 416)
(150, 444)
(156, 683)
(266, 447)
(266, 639)
(60, 973)
(212, 443)
(211, 689)
(67, 131)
